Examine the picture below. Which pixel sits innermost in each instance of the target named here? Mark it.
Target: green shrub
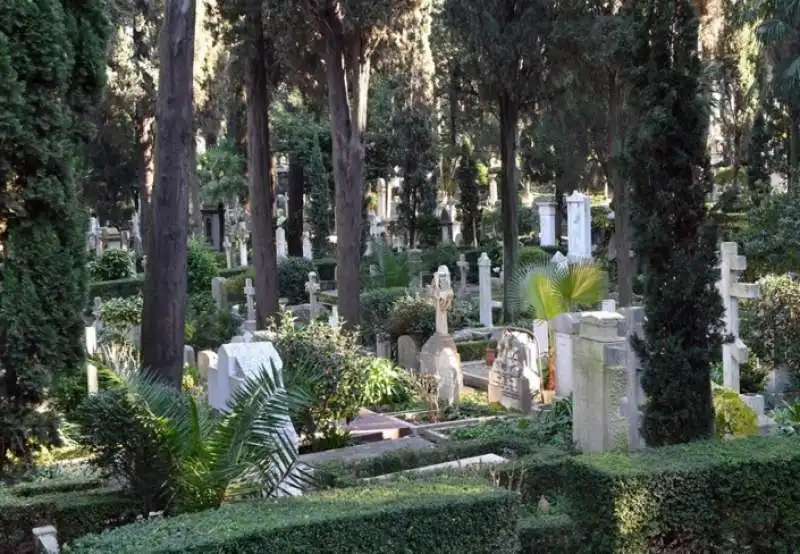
(732, 416)
(113, 265)
(386, 384)
(233, 272)
(119, 288)
(376, 305)
(771, 236)
(770, 325)
(326, 269)
(75, 507)
(495, 254)
(533, 255)
(327, 361)
(710, 496)
(201, 263)
(208, 328)
(527, 220)
(434, 518)
(119, 315)
(553, 533)
(416, 316)
(473, 350)
(444, 254)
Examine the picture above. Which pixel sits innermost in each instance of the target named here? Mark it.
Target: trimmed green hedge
(326, 269)
(739, 495)
(446, 517)
(119, 288)
(472, 350)
(551, 533)
(76, 507)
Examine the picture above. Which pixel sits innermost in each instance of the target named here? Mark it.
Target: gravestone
(547, 223)
(308, 253)
(46, 538)
(600, 384)
(218, 293)
(136, 232)
(731, 290)
(280, 243)
(333, 319)
(206, 359)
(608, 306)
(634, 398)
(463, 266)
(92, 384)
(188, 356)
(579, 227)
(408, 353)
(235, 364)
(383, 346)
(243, 251)
(485, 289)
(565, 331)
(541, 331)
(312, 288)
(560, 260)
(226, 244)
(514, 376)
(493, 192)
(439, 355)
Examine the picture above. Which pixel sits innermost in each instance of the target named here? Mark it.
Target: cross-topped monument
(312, 288)
(732, 265)
(442, 293)
(250, 297)
(463, 266)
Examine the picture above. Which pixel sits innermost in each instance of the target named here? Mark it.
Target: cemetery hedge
(75, 506)
(433, 517)
(711, 496)
(119, 288)
(472, 350)
(551, 533)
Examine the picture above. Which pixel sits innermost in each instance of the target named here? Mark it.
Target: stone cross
(226, 244)
(485, 289)
(731, 290)
(463, 266)
(250, 296)
(442, 293)
(313, 287)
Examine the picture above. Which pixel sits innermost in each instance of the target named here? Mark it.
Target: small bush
(554, 533)
(119, 315)
(473, 350)
(416, 316)
(202, 267)
(431, 518)
(376, 305)
(770, 325)
(444, 254)
(712, 496)
(208, 328)
(527, 219)
(386, 384)
(113, 265)
(532, 255)
(326, 269)
(732, 416)
(771, 235)
(76, 507)
(328, 362)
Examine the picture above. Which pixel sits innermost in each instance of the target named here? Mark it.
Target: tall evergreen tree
(467, 179)
(319, 200)
(675, 236)
(52, 70)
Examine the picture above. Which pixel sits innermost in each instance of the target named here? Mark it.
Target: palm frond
(580, 283)
(536, 291)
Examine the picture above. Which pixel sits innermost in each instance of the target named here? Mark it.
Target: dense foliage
(674, 235)
(113, 265)
(52, 61)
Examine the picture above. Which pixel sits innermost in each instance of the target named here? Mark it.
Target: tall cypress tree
(54, 51)
(675, 236)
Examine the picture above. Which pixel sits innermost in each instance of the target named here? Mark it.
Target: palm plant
(211, 458)
(547, 290)
(393, 267)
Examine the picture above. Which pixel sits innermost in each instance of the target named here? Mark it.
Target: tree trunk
(261, 184)
(559, 214)
(165, 283)
(294, 223)
(144, 170)
(619, 184)
(794, 150)
(348, 118)
(509, 118)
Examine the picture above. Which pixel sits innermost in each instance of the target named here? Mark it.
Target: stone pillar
(226, 244)
(485, 289)
(565, 331)
(383, 347)
(189, 358)
(383, 199)
(600, 384)
(250, 298)
(579, 227)
(547, 223)
(280, 243)
(92, 384)
(313, 288)
(308, 253)
(243, 251)
(46, 539)
(463, 266)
